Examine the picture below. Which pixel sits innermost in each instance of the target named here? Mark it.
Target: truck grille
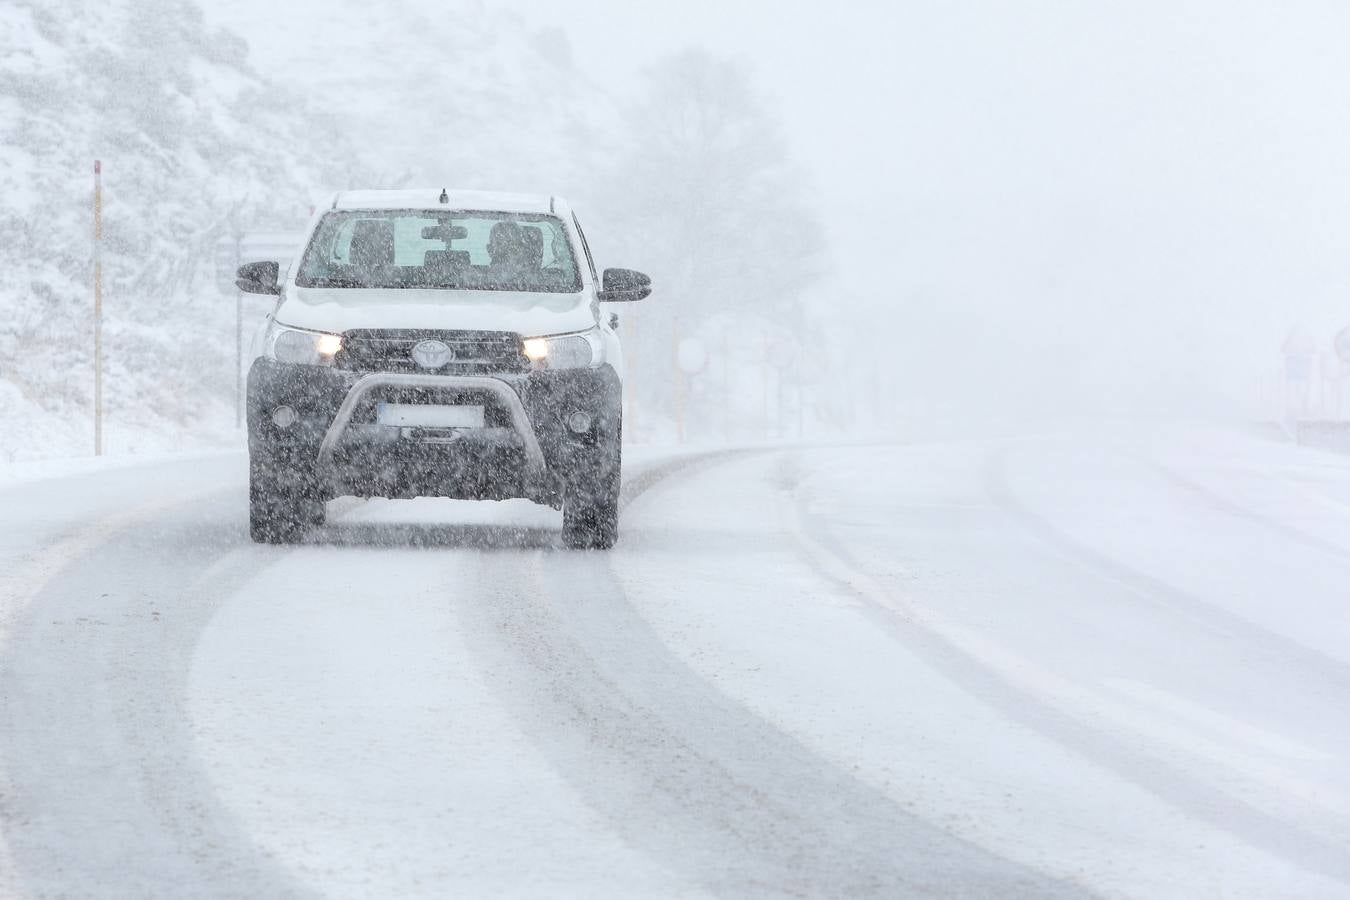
(471, 352)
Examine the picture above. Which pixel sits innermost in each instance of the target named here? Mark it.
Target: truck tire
(282, 505)
(591, 505)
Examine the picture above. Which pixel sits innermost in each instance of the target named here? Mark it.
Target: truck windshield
(430, 249)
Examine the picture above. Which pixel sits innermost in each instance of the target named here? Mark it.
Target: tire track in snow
(114, 737)
(686, 774)
(24, 578)
(106, 794)
(1222, 504)
(1018, 689)
(1334, 672)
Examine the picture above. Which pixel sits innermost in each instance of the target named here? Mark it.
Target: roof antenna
(445, 198)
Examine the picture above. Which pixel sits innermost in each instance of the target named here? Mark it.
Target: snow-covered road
(1082, 661)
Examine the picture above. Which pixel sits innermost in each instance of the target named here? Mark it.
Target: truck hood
(525, 313)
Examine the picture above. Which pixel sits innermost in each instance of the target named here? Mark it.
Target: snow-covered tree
(706, 197)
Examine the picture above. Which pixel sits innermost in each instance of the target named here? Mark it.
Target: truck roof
(430, 198)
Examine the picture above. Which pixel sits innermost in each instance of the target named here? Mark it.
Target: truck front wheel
(591, 506)
(282, 504)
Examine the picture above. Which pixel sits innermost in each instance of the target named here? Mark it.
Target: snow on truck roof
(430, 198)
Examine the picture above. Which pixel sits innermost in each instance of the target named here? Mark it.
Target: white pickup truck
(438, 343)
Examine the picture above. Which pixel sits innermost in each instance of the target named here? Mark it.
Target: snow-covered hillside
(195, 144)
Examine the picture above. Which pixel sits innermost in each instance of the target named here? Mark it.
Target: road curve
(920, 669)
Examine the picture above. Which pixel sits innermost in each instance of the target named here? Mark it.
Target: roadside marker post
(98, 307)
(679, 380)
(238, 359)
(785, 356)
(764, 379)
(726, 388)
(630, 416)
(691, 357)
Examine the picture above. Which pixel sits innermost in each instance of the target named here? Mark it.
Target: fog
(1041, 207)
(1106, 205)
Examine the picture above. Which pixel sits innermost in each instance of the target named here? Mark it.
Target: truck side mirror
(258, 277)
(625, 286)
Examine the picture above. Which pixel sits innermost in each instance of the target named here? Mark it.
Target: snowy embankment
(40, 439)
(1080, 660)
(196, 146)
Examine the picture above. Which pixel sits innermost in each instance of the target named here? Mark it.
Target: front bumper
(527, 449)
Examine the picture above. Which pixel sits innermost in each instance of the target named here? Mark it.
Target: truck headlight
(300, 347)
(563, 351)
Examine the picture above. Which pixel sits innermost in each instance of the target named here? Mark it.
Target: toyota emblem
(432, 354)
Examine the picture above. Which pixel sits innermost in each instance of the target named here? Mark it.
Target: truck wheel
(591, 507)
(281, 506)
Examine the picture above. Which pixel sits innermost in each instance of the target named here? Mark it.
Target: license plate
(422, 415)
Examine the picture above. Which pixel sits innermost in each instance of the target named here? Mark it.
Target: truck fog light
(580, 422)
(284, 417)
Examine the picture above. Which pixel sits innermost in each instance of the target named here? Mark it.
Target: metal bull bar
(520, 422)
